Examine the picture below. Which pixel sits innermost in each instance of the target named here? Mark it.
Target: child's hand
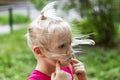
(78, 69)
(59, 74)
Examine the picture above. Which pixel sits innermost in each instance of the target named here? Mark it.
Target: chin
(65, 64)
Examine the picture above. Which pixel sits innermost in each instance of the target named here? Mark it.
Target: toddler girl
(50, 39)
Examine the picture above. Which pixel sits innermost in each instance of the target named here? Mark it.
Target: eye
(61, 46)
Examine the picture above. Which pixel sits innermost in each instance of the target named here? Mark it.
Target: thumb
(52, 76)
(57, 67)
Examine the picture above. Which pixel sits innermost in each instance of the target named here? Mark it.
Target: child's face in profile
(61, 49)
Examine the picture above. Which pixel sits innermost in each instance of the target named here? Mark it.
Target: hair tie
(48, 10)
(42, 16)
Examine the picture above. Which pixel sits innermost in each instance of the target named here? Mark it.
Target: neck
(45, 68)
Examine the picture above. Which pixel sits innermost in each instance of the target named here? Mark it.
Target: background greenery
(17, 19)
(16, 59)
(100, 17)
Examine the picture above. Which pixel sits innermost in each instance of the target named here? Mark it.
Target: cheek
(63, 51)
(52, 62)
(62, 62)
(65, 64)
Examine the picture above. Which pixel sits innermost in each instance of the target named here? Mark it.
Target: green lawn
(17, 61)
(17, 19)
(101, 63)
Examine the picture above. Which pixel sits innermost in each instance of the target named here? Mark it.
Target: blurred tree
(101, 15)
(39, 3)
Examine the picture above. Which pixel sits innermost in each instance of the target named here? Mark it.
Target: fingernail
(71, 63)
(58, 62)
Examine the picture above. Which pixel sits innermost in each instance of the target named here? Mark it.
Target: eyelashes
(61, 46)
(64, 45)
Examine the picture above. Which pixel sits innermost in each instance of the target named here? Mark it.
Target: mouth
(68, 60)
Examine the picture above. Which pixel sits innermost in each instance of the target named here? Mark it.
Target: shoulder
(34, 75)
(37, 75)
(32, 78)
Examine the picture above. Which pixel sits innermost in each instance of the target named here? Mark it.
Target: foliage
(99, 16)
(86, 27)
(101, 63)
(39, 3)
(83, 26)
(17, 19)
(16, 59)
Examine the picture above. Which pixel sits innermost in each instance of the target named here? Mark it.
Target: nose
(70, 50)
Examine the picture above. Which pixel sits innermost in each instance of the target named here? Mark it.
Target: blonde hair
(47, 26)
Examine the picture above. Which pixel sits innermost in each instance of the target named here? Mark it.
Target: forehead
(61, 37)
(64, 37)
(60, 32)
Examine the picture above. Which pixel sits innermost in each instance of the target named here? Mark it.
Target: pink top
(37, 75)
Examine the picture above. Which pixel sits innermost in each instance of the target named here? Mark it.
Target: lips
(68, 60)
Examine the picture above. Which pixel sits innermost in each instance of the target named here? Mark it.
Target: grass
(101, 63)
(17, 61)
(17, 19)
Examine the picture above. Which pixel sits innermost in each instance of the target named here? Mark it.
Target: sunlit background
(100, 19)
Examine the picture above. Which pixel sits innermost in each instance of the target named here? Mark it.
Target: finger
(80, 71)
(74, 61)
(78, 64)
(80, 67)
(57, 67)
(52, 76)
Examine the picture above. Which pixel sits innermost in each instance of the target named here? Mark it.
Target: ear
(37, 50)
